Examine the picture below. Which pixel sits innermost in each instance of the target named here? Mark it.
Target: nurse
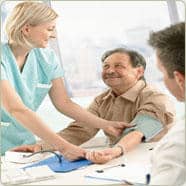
(30, 70)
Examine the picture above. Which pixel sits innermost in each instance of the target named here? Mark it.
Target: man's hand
(116, 128)
(103, 156)
(27, 148)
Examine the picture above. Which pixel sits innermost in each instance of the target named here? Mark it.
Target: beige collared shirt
(139, 100)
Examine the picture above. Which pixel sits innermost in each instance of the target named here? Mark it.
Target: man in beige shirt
(129, 99)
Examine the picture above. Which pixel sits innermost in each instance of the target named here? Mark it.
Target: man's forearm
(130, 141)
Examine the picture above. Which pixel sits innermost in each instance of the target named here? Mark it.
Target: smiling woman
(26, 29)
(40, 34)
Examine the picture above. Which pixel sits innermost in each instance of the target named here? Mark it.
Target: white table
(139, 155)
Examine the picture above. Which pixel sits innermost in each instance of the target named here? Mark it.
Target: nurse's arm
(63, 104)
(29, 119)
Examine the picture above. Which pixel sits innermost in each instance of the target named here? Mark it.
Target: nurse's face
(39, 35)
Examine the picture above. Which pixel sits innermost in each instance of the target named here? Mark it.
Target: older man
(128, 99)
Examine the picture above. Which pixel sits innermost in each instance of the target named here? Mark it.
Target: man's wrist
(120, 150)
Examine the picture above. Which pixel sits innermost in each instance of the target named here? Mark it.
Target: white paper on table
(18, 157)
(135, 173)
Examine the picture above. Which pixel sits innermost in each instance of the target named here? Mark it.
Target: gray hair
(136, 59)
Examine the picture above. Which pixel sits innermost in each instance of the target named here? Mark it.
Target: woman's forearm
(63, 104)
(31, 121)
(82, 115)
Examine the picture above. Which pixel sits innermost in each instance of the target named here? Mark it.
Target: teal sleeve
(3, 73)
(57, 69)
(146, 124)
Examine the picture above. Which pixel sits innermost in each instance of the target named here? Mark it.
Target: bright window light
(86, 29)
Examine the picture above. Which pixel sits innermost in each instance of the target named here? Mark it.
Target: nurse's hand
(27, 148)
(72, 152)
(116, 128)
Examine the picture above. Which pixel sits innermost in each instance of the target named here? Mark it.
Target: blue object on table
(64, 166)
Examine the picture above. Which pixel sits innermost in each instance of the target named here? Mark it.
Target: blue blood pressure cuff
(146, 124)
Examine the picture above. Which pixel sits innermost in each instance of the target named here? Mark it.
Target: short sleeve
(147, 125)
(3, 73)
(49, 63)
(57, 69)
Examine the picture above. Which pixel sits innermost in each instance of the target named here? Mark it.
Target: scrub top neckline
(21, 72)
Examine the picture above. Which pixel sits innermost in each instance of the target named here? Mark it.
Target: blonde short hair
(33, 13)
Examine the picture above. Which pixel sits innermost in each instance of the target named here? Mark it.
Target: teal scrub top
(32, 85)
